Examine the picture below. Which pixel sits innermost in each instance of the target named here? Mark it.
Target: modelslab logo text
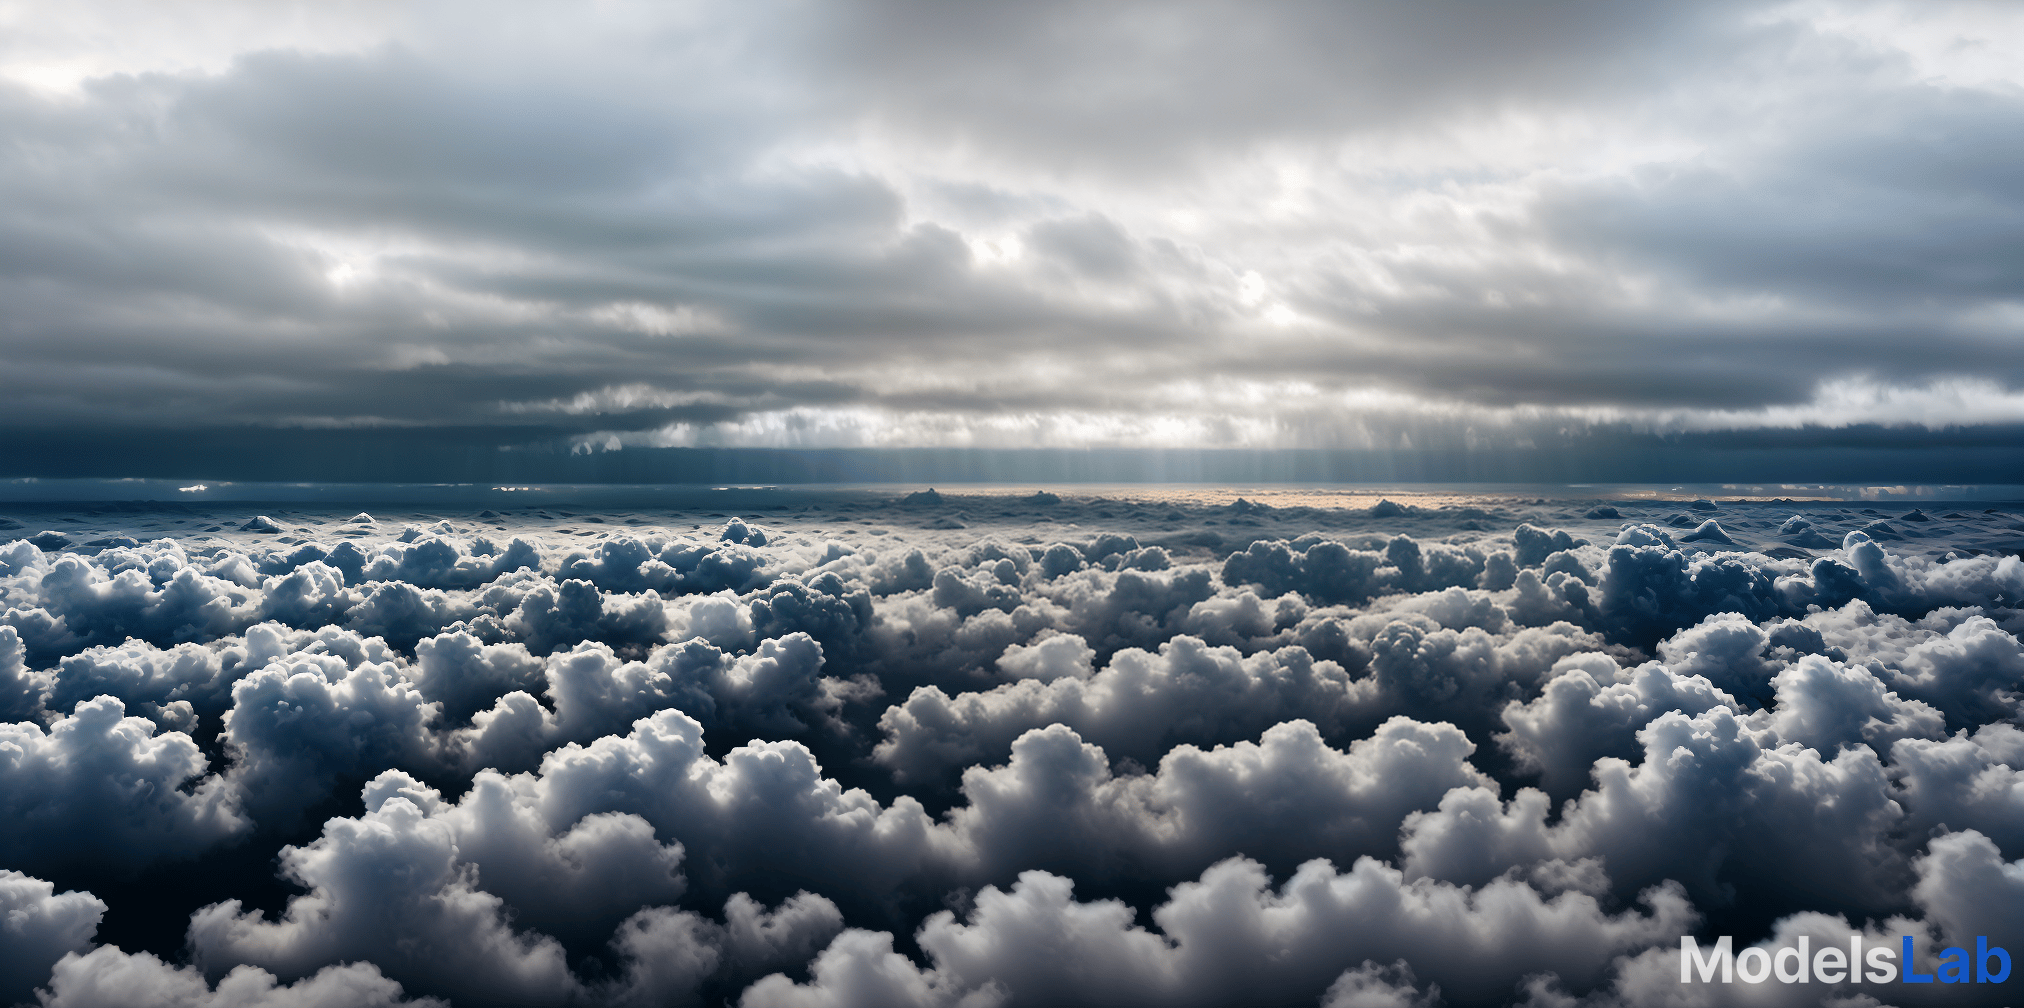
(1832, 964)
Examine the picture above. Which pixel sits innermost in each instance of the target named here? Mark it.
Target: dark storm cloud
(1049, 225)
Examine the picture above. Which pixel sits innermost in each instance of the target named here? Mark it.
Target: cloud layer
(1158, 226)
(1417, 756)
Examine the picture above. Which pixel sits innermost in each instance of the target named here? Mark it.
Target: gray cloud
(1154, 224)
(41, 928)
(100, 787)
(1035, 944)
(1138, 86)
(975, 749)
(107, 976)
(394, 867)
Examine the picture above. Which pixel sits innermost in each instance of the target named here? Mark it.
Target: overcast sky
(1126, 224)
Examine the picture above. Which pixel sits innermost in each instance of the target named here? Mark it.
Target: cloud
(1034, 944)
(1730, 806)
(1136, 706)
(864, 757)
(464, 674)
(765, 814)
(1966, 888)
(40, 927)
(1966, 782)
(99, 787)
(20, 692)
(106, 977)
(302, 724)
(790, 227)
(861, 968)
(1967, 673)
(1283, 799)
(777, 690)
(181, 606)
(670, 953)
(139, 673)
(1374, 986)
(387, 887)
(1824, 705)
(1591, 709)
(578, 882)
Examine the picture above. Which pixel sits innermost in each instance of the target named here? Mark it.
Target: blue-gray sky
(1174, 225)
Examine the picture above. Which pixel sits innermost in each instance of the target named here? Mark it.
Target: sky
(331, 239)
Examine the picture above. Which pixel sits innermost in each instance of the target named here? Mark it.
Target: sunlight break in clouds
(792, 224)
(635, 726)
(1290, 417)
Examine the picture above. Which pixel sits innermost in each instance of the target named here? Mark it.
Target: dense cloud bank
(1415, 757)
(373, 242)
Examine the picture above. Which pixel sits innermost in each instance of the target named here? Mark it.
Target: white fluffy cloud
(1136, 706)
(388, 888)
(765, 810)
(777, 690)
(1591, 709)
(20, 692)
(302, 723)
(99, 787)
(106, 977)
(1230, 937)
(39, 927)
(442, 896)
(1283, 799)
(1726, 806)
(1967, 782)
(590, 780)
(578, 881)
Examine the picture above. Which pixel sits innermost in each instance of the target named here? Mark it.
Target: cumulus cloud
(812, 773)
(1230, 936)
(1967, 782)
(39, 927)
(100, 787)
(387, 887)
(1591, 709)
(437, 893)
(20, 692)
(777, 690)
(110, 606)
(1136, 706)
(670, 954)
(1967, 889)
(765, 812)
(464, 674)
(107, 977)
(1283, 799)
(1825, 705)
(300, 725)
(578, 882)
(1727, 805)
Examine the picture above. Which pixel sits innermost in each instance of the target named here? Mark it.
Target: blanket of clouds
(326, 230)
(853, 749)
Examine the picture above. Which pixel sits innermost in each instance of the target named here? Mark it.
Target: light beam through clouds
(779, 225)
(465, 649)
